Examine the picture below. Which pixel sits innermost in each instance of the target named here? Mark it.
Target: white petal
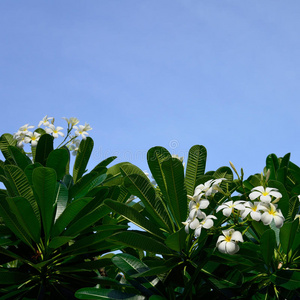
(278, 221)
(227, 211)
(204, 203)
(194, 224)
(232, 248)
(222, 247)
(266, 218)
(198, 231)
(254, 195)
(275, 194)
(237, 236)
(255, 215)
(258, 188)
(208, 223)
(266, 199)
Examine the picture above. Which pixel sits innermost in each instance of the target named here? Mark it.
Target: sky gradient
(174, 73)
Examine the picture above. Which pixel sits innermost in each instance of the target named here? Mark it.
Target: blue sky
(175, 73)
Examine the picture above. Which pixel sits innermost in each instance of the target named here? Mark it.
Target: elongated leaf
(6, 140)
(272, 165)
(26, 217)
(43, 149)
(130, 266)
(155, 157)
(68, 215)
(83, 155)
(140, 241)
(87, 183)
(44, 184)
(294, 205)
(289, 280)
(267, 245)
(29, 169)
(105, 163)
(287, 235)
(20, 185)
(58, 160)
(134, 216)
(8, 276)
(285, 161)
(105, 294)
(177, 240)
(177, 196)
(19, 157)
(142, 188)
(61, 200)
(195, 167)
(59, 241)
(88, 220)
(11, 222)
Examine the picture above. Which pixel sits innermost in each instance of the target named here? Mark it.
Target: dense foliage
(197, 233)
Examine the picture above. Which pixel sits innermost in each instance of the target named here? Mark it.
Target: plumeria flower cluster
(198, 219)
(25, 136)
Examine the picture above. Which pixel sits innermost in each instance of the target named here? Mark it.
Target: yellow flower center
(228, 238)
(265, 193)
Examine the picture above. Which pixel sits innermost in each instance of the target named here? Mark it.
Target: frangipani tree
(205, 234)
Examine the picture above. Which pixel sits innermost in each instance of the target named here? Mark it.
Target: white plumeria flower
(54, 130)
(264, 194)
(20, 139)
(32, 137)
(253, 209)
(227, 243)
(81, 130)
(188, 222)
(227, 207)
(45, 121)
(209, 187)
(196, 204)
(72, 121)
(206, 223)
(270, 213)
(24, 129)
(74, 146)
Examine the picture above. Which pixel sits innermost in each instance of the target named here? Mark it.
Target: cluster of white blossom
(261, 207)
(25, 136)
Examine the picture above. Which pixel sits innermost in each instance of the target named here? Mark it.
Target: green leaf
(19, 157)
(87, 220)
(43, 149)
(155, 157)
(287, 235)
(59, 241)
(6, 140)
(20, 186)
(44, 184)
(177, 196)
(87, 183)
(289, 280)
(8, 276)
(267, 245)
(105, 162)
(195, 167)
(104, 294)
(294, 205)
(140, 241)
(11, 222)
(61, 200)
(83, 155)
(69, 215)
(58, 160)
(26, 217)
(177, 240)
(143, 189)
(29, 169)
(134, 216)
(272, 165)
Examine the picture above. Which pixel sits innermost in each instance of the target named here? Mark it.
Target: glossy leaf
(135, 217)
(267, 245)
(105, 294)
(43, 149)
(287, 235)
(26, 217)
(69, 215)
(289, 280)
(6, 140)
(44, 184)
(58, 160)
(177, 240)
(177, 196)
(19, 157)
(29, 169)
(142, 188)
(272, 165)
(195, 167)
(61, 200)
(141, 241)
(82, 158)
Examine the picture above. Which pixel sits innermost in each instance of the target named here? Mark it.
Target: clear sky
(175, 73)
